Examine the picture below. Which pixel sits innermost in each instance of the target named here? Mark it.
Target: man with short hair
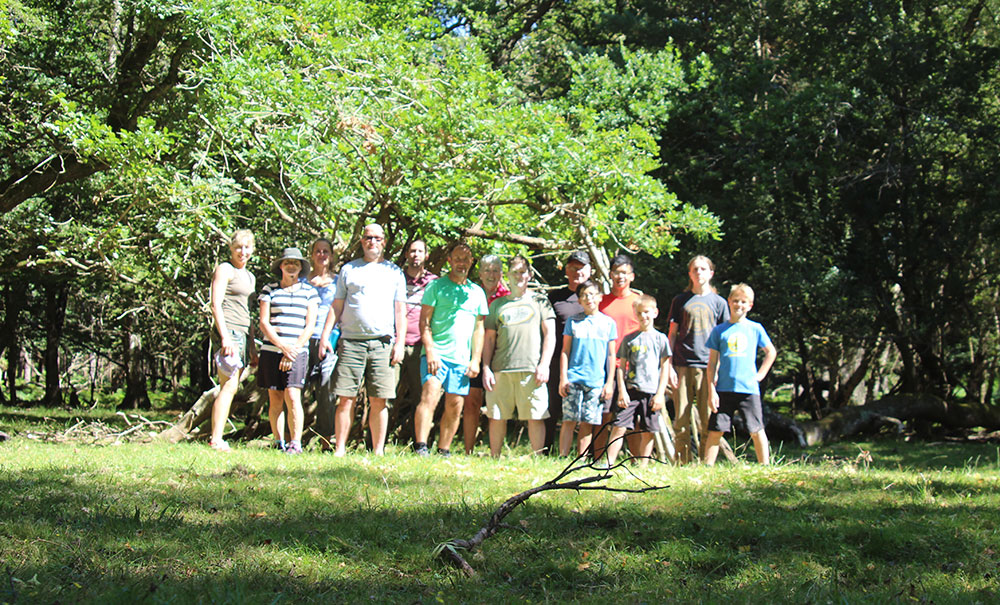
(520, 338)
(370, 302)
(451, 326)
(565, 303)
(408, 372)
(491, 279)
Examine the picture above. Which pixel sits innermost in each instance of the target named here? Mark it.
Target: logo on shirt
(513, 315)
(737, 344)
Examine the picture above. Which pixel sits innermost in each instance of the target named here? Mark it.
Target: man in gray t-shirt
(370, 302)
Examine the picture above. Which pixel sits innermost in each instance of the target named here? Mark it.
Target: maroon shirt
(415, 287)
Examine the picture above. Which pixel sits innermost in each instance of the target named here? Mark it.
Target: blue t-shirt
(737, 344)
(325, 301)
(588, 357)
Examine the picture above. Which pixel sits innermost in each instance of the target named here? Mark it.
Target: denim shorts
(582, 404)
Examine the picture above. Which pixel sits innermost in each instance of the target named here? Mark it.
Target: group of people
(589, 363)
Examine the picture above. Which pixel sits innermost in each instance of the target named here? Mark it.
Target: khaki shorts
(368, 359)
(517, 390)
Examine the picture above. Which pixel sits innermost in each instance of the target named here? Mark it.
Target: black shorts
(639, 414)
(270, 376)
(729, 403)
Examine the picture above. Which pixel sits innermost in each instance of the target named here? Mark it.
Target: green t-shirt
(518, 323)
(456, 308)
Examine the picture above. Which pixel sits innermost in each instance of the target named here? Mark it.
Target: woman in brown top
(232, 285)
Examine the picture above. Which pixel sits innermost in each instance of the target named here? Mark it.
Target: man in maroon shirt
(408, 385)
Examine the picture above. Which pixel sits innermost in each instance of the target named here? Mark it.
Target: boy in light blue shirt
(586, 369)
(734, 377)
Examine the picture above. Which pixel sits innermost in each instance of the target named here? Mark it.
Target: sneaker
(279, 445)
(220, 446)
(293, 448)
(444, 453)
(420, 449)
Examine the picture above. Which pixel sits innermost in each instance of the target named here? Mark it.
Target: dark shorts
(476, 382)
(639, 414)
(271, 377)
(729, 403)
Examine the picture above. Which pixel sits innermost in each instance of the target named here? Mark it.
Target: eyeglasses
(373, 238)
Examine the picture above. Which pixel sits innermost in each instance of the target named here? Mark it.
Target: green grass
(180, 523)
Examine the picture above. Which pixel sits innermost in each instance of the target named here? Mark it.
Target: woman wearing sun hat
(288, 310)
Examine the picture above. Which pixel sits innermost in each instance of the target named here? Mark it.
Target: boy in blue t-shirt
(586, 368)
(734, 377)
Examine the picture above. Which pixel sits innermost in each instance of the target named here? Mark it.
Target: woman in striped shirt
(288, 312)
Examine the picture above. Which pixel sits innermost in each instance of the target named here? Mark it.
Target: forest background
(840, 156)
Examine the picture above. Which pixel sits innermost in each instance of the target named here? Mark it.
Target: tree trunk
(136, 395)
(55, 314)
(13, 309)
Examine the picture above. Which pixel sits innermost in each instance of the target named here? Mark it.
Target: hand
(608, 391)
(563, 388)
(324, 348)
(288, 351)
(473, 370)
(541, 375)
(285, 364)
(489, 380)
(397, 353)
(659, 401)
(672, 379)
(433, 365)
(713, 401)
(622, 403)
(228, 347)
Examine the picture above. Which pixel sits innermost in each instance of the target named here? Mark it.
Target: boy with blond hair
(733, 375)
(643, 373)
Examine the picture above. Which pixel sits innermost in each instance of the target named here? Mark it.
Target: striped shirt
(289, 307)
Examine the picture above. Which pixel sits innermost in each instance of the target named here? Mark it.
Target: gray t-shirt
(643, 352)
(370, 292)
(695, 316)
(518, 323)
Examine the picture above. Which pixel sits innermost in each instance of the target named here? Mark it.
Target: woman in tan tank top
(232, 285)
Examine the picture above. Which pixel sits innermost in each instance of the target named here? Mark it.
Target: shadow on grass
(352, 533)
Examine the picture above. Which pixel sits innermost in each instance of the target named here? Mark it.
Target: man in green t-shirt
(520, 339)
(451, 328)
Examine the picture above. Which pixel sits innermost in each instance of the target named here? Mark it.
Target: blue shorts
(582, 404)
(451, 376)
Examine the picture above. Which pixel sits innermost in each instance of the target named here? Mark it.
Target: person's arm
(265, 324)
(397, 347)
(672, 379)
(660, 397)
(220, 279)
(336, 308)
(427, 337)
(489, 343)
(477, 348)
(711, 376)
(548, 348)
(623, 399)
(609, 372)
(564, 364)
(770, 353)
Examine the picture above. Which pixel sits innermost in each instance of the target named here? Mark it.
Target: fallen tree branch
(450, 551)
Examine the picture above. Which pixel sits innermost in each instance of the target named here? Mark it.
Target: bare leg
(761, 446)
(450, 419)
(223, 401)
(276, 413)
(378, 421)
(712, 447)
(498, 430)
(645, 448)
(584, 435)
(471, 411)
(566, 437)
(615, 443)
(536, 434)
(342, 423)
(600, 436)
(423, 416)
(293, 402)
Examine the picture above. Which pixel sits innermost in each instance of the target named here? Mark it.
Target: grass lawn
(180, 523)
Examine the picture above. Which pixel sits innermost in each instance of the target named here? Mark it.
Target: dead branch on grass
(450, 551)
(139, 428)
